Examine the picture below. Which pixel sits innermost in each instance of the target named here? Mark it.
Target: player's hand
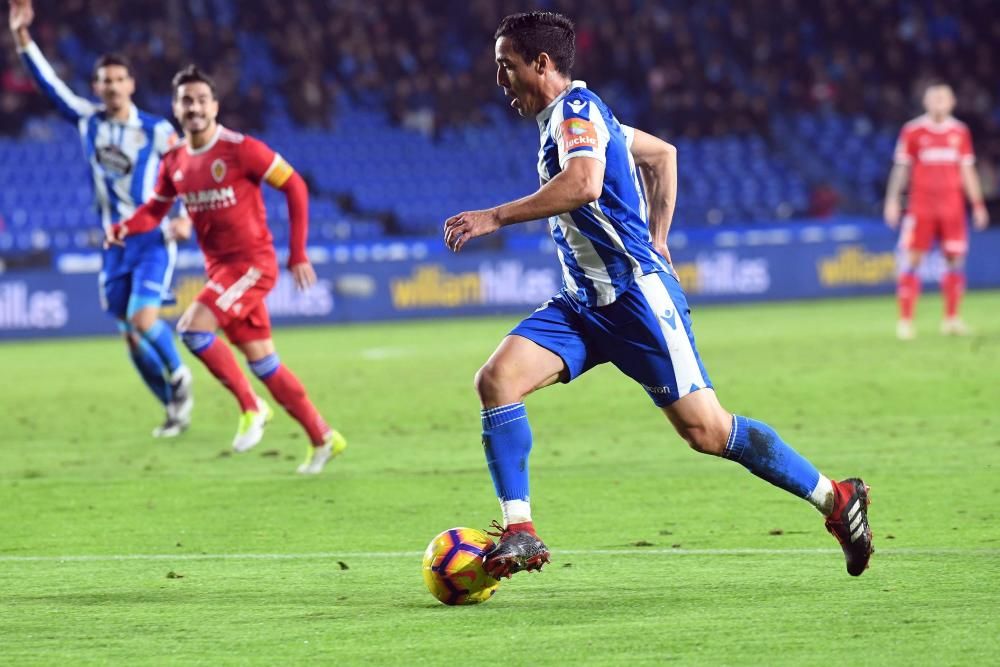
(179, 228)
(303, 274)
(21, 15)
(980, 217)
(458, 229)
(892, 214)
(664, 251)
(115, 235)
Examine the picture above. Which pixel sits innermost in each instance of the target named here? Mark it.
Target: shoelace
(497, 526)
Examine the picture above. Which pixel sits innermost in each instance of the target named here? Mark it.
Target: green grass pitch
(117, 548)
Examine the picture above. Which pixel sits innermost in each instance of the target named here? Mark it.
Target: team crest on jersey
(218, 170)
(138, 137)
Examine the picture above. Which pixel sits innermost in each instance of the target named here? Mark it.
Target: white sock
(822, 496)
(516, 511)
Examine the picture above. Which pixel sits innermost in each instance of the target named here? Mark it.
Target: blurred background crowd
(781, 108)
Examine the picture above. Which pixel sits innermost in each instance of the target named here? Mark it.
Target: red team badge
(218, 170)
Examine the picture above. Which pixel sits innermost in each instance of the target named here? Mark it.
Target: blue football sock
(507, 442)
(161, 339)
(757, 447)
(151, 369)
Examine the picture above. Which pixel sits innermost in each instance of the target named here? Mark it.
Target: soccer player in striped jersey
(608, 191)
(218, 174)
(123, 146)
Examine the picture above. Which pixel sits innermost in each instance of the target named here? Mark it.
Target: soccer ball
(453, 567)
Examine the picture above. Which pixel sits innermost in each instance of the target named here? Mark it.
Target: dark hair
(541, 32)
(111, 59)
(192, 74)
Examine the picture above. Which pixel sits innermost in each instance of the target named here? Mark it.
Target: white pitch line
(639, 551)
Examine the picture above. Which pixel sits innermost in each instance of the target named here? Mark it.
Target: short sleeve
(164, 189)
(256, 158)
(967, 154)
(629, 133)
(905, 149)
(580, 130)
(164, 137)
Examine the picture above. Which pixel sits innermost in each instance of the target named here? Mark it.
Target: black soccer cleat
(514, 552)
(849, 524)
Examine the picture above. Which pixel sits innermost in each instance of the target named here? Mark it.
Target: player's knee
(197, 341)
(494, 385)
(706, 438)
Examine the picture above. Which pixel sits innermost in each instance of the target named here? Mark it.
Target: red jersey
(936, 152)
(220, 185)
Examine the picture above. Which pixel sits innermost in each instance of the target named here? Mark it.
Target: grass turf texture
(659, 553)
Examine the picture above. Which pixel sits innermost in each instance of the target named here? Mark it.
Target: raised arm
(71, 106)
(657, 163)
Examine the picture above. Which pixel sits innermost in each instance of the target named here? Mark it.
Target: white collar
(207, 147)
(543, 116)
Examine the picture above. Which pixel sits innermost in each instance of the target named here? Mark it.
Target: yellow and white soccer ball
(453, 567)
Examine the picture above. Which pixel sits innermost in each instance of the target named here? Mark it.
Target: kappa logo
(218, 170)
(576, 105)
(670, 317)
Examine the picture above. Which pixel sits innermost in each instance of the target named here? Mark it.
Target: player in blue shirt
(608, 191)
(123, 147)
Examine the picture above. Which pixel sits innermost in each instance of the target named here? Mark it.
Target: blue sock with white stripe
(161, 339)
(507, 443)
(151, 369)
(758, 448)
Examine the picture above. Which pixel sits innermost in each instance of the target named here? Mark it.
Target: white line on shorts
(357, 555)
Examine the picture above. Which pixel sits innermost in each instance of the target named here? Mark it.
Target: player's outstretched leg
(161, 339)
(507, 444)
(952, 288)
(518, 367)
(221, 362)
(151, 370)
(756, 446)
(325, 443)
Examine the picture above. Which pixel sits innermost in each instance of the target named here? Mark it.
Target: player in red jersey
(937, 148)
(218, 173)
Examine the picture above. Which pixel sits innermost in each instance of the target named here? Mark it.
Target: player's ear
(541, 63)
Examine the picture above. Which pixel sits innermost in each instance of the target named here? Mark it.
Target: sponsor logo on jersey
(218, 170)
(113, 160)
(939, 154)
(209, 200)
(577, 133)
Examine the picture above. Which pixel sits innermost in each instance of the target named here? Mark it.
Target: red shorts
(941, 221)
(235, 293)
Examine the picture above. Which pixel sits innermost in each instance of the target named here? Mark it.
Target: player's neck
(938, 118)
(553, 88)
(201, 139)
(121, 114)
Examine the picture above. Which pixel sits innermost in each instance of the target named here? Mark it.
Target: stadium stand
(776, 114)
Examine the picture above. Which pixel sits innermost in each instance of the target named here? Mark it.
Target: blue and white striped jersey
(605, 245)
(124, 157)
